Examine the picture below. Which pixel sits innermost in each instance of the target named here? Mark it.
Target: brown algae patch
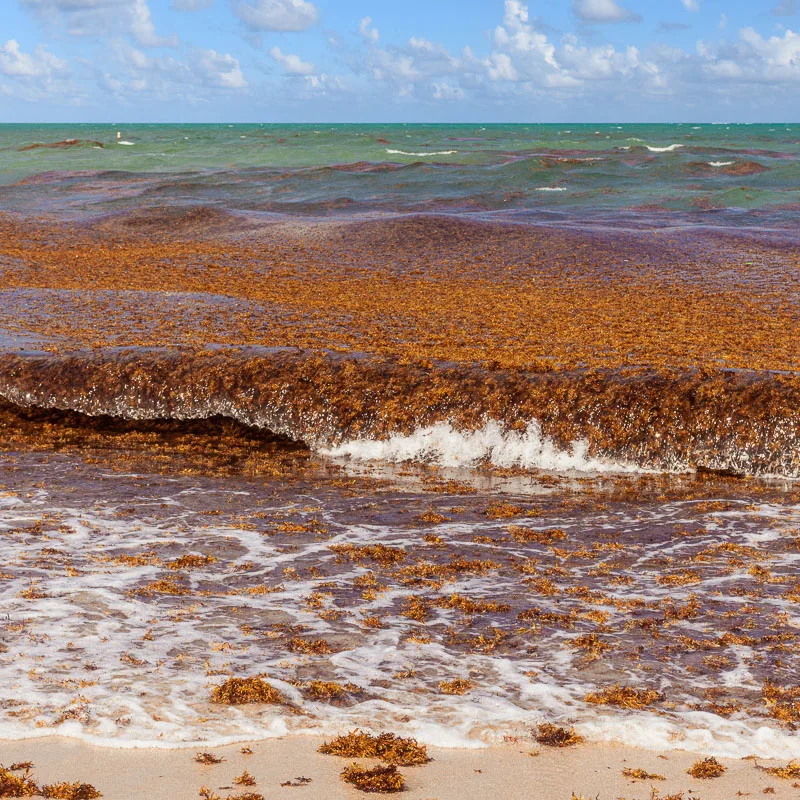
(553, 736)
(24, 785)
(378, 780)
(707, 768)
(625, 697)
(790, 772)
(70, 791)
(243, 691)
(458, 686)
(641, 775)
(208, 759)
(387, 747)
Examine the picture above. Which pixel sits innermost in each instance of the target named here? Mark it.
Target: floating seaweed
(242, 691)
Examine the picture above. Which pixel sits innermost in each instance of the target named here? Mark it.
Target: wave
(668, 149)
(432, 153)
(668, 420)
(446, 446)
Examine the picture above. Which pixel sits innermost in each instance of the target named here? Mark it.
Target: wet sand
(509, 771)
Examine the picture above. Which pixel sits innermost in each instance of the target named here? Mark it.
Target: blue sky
(360, 60)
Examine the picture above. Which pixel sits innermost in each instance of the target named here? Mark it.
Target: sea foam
(442, 444)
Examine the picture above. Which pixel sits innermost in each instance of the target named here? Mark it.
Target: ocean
(447, 430)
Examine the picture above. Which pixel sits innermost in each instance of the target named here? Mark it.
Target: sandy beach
(509, 771)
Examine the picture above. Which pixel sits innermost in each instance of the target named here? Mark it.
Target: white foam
(422, 155)
(130, 144)
(663, 149)
(720, 163)
(444, 445)
(551, 189)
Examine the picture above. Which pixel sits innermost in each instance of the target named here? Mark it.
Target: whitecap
(663, 149)
(720, 163)
(437, 153)
(130, 144)
(444, 445)
(551, 188)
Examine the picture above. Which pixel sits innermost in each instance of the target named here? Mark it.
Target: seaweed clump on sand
(245, 691)
(208, 759)
(16, 785)
(624, 697)
(70, 791)
(707, 768)
(24, 785)
(210, 794)
(378, 780)
(553, 736)
(790, 771)
(387, 747)
(641, 775)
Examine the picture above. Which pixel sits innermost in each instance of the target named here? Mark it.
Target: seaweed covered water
(553, 173)
(445, 430)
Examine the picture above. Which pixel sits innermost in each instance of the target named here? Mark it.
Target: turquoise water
(323, 169)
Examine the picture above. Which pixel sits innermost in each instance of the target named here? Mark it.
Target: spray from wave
(445, 446)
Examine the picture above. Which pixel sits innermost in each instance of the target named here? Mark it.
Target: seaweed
(378, 780)
(625, 697)
(243, 691)
(208, 759)
(386, 746)
(70, 791)
(553, 736)
(707, 768)
(790, 771)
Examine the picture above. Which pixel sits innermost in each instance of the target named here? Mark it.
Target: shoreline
(507, 771)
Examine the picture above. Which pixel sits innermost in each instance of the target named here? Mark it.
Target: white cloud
(16, 64)
(102, 18)
(35, 76)
(691, 5)
(201, 75)
(516, 33)
(603, 11)
(443, 91)
(276, 15)
(499, 68)
(292, 65)
(218, 70)
(368, 30)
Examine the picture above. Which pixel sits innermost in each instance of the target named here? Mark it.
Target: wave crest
(445, 446)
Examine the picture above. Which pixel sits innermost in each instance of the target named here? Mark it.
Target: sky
(410, 61)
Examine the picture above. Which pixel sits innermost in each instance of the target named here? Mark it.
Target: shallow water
(314, 404)
(728, 175)
(391, 592)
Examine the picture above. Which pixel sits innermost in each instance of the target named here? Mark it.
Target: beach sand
(508, 771)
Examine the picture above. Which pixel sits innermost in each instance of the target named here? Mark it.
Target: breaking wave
(364, 407)
(442, 444)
